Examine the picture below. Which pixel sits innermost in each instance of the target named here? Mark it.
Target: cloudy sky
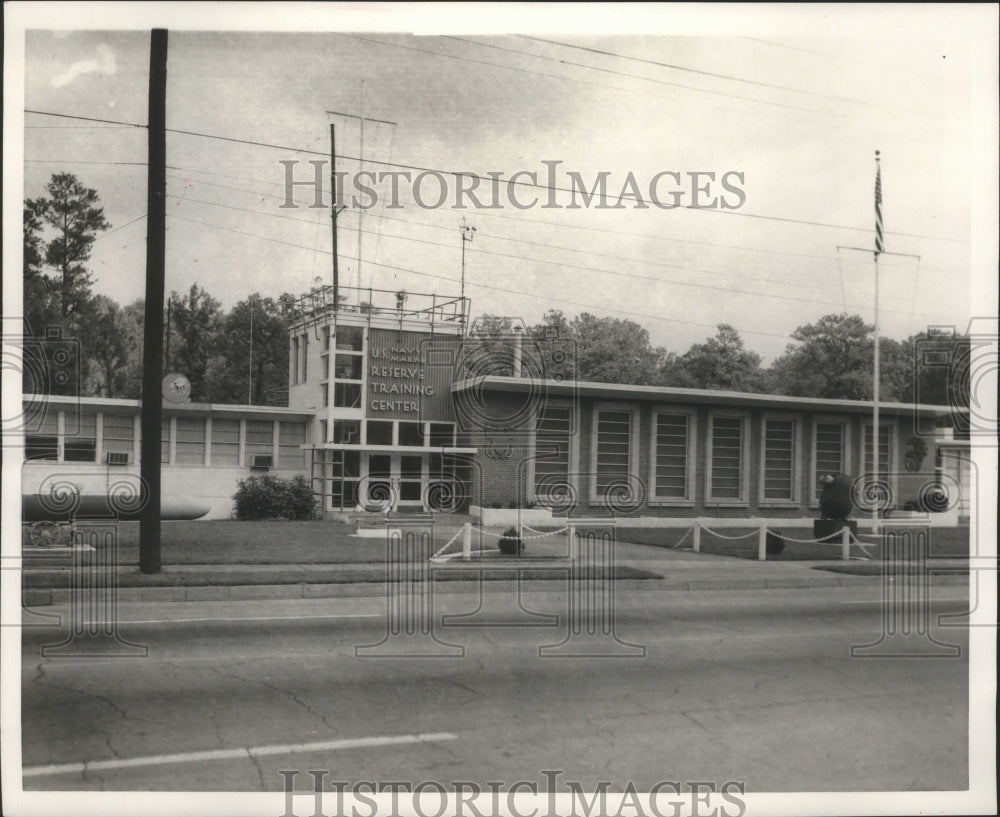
(796, 100)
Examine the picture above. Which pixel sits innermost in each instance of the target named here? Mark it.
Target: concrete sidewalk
(680, 570)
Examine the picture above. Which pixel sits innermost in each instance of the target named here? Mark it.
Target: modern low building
(392, 406)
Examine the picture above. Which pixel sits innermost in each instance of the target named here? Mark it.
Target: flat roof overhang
(704, 397)
(112, 404)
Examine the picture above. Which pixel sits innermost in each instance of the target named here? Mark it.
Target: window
(828, 453)
(326, 338)
(295, 361)
(885, 452)
(349, 338)
(672, 446)
(348, 367)
(345, 395)
(322, 431)
(325, 389)
(411, 434)
(726, 460)
(305, 358)
(613, 456)
(43, 443)
(379, 432)
(260, 439)
(290, 437)
(165, 441)
(347, 432)
(190, 441)
(551, 460)
(342, 469)
(778, 481)
(442, 434)
(119, 432)
(326, 366)
(82, 446)
(225, 442)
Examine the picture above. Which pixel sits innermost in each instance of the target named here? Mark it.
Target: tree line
(90, 345)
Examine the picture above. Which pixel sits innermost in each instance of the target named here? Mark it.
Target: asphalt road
(756, 687)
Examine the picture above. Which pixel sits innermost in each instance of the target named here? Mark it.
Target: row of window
(337, 478)
(183, 440)
(727, 478)
(388, 432)
(349, 346)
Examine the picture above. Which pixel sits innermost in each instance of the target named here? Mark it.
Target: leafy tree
(612, 350)
(721, 363)
(58, 233)
(260, 363)
(830, 358)
(554, 343)
(195, 320)
(40, 297)
(74, 213)
(113, 340)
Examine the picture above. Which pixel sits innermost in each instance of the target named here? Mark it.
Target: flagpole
(875, 428)
(879, 247)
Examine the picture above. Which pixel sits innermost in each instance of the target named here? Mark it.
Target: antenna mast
(467, 233)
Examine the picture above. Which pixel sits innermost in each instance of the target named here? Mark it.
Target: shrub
(269, 497)
(774, 545)
(510, 543)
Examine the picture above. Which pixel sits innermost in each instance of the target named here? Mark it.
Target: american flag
(879, 239)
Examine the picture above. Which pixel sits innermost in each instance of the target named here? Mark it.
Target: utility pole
(250, 370)
(361, 168)
(467, 233)
(152, 361)
(333, 213)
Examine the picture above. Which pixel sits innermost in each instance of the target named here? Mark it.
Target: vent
(261, 461)
(117, 457)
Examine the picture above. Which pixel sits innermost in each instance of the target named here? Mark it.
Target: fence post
(845, 543)
(696, 537)
(467, 541)
(762, 543)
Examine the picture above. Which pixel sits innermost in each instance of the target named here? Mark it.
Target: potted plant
(510, 543)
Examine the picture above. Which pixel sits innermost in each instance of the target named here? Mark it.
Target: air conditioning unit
(117, 457)
(262, 461)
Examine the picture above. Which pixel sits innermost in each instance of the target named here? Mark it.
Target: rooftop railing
(319, 304)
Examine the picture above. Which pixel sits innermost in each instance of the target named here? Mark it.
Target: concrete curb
(41, 597)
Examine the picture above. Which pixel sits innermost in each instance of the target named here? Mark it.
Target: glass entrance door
(394, 481)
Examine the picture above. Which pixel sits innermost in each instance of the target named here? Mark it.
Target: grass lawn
(210, 575)
(226, 541)
(944, 542)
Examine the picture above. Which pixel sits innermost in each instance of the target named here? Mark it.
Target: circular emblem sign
(176, 388)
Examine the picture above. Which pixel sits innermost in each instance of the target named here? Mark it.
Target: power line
(599, 270)
(550, 188)
(548, 224)
(85, 118)
(629, 259)
(712, 74)
(482, 286)
(907, 71)
(121, 227)
(611, 71)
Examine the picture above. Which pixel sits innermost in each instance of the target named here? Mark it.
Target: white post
(845, 543)
(467, 541)
(571, 535)
(762, 544)
(696, 537)
(875, 429)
